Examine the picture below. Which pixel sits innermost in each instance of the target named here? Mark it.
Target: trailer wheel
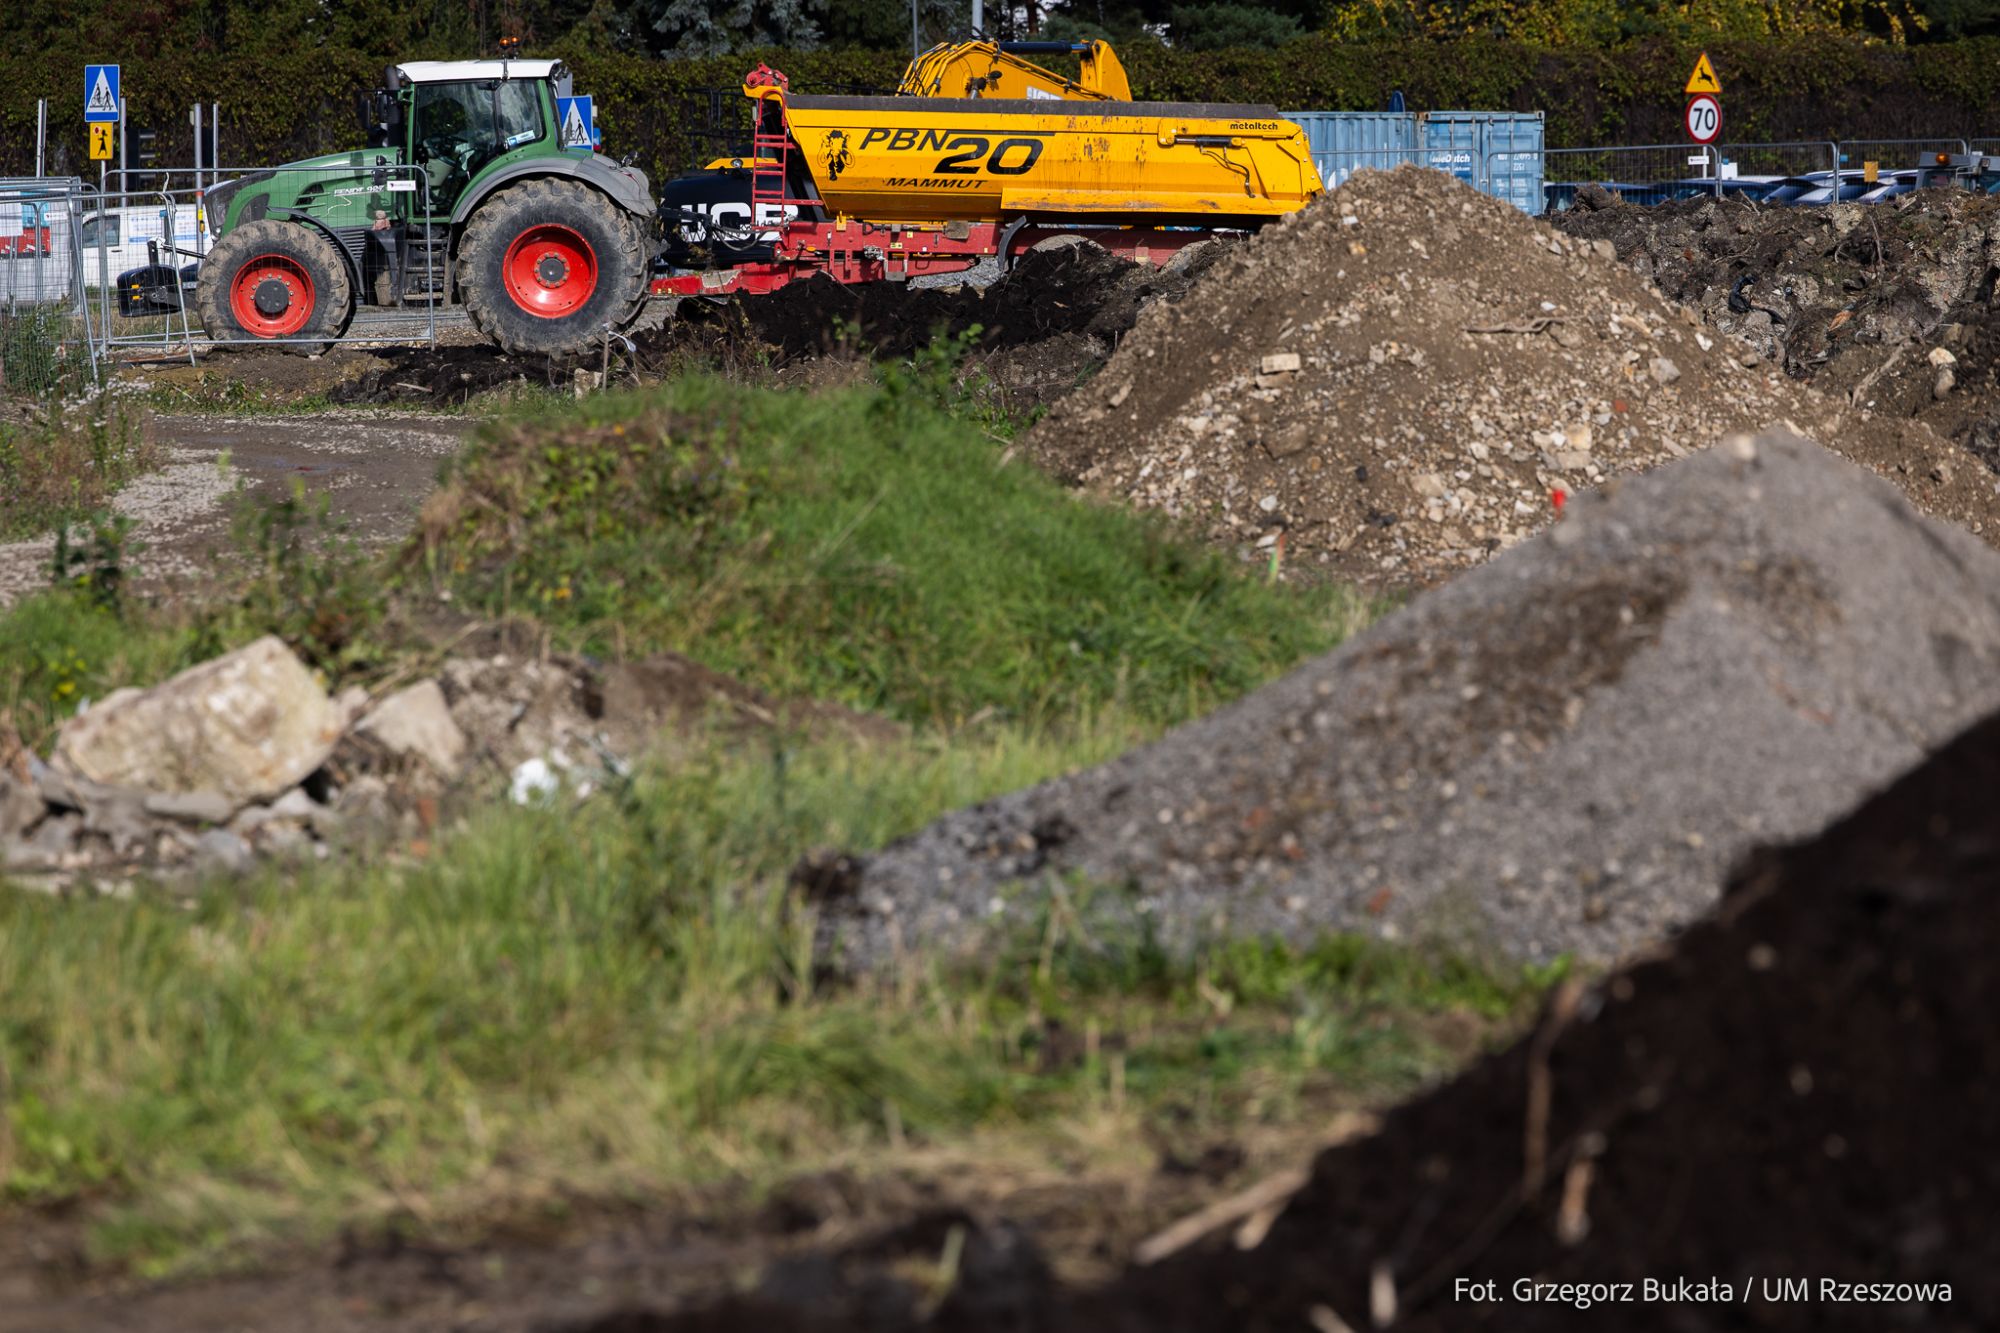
(546, 264)
(276, 280)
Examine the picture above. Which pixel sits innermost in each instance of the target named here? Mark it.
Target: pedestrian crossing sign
(100, 93)
(577, 124)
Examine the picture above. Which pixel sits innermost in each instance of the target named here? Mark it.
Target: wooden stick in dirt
(1221, 1213)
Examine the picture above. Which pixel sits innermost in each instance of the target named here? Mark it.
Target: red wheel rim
(272, 296)
(550, 270)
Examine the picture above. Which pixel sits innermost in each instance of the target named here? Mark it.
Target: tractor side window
(520, 107)
(100, 230)
(460, 127)
(448, 124)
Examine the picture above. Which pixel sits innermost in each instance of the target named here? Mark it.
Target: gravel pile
(1396, 381)
(1889, 306)
(1563, 750)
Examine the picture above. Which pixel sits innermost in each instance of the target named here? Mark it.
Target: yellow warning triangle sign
(1703, 79)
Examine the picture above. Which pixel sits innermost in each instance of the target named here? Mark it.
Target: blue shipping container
(1344, 142)
(1496, 152)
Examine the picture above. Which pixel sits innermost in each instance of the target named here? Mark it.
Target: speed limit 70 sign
(1703, 118)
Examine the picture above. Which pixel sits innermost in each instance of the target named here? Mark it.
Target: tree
(1948, 20)
(718, 27)
(884, 25)
(1213, 27)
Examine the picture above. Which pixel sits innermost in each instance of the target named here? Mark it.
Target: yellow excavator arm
(997, 70)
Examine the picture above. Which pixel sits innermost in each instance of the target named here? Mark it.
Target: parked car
(123, 235)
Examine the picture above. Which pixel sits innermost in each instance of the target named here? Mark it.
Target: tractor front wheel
(275, 280)
(545, 265)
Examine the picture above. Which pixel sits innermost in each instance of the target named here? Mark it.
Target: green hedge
(288, 104)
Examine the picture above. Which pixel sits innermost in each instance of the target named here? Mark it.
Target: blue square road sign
(100, 93)
(577, 123)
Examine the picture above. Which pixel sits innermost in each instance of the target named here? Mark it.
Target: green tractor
(466, 195)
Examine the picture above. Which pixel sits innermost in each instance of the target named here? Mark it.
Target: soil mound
(1859, 300)
(448, 375)
(1044, 325)
(1563, 750)
(1064, 287)
(1396, 380)
(1033, 334)
(1795, 1092)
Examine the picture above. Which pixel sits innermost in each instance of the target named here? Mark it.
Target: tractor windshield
(460, 127)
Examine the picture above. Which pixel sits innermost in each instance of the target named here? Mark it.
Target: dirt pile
(1045, 324)
(1889, 306)
(450, 374)
(1396, 381)
(1057, 314)
(1794, 1093)
(1563, 750)
(1065, 286)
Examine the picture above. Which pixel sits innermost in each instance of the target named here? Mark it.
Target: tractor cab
(456, 118)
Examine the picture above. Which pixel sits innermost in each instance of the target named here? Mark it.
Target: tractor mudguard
(626, 186)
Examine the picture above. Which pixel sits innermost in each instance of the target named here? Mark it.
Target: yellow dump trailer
(917, 160)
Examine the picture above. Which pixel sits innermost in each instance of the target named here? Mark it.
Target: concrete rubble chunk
(245, 726)
(417, 722)
(195, 807)
(20, 805)
(1280, 363)
(223, 850)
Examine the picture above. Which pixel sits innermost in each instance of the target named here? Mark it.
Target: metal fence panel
(164, 207)
(1800, 158)
(1892, 154)
(46, 347)
(1652, 173)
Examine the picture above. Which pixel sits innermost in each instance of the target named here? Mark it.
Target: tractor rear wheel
(277, 280)
(545, 265)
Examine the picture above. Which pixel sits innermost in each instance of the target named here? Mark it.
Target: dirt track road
(375, 469)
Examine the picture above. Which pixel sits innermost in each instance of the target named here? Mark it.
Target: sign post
(1702, 117)
(103, 109)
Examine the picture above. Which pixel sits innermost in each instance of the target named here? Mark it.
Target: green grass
(619, 999)
(61, 647)
(67, 461)
(614, 1000)
(860, 544)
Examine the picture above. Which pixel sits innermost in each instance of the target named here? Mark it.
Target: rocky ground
(1888, 308)
(373, 468)
(247, 756)
(1394, 385)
